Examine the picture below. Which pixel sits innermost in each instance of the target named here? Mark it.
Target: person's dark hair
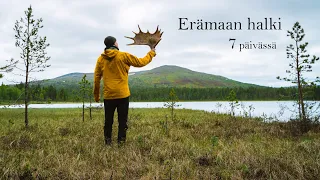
(109, 41)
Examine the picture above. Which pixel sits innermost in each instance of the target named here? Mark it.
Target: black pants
(122, 106)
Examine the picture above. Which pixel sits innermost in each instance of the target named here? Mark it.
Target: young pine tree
(300, 64)
(233, 102)
(33, 50)
(85, 93)
(172, 102)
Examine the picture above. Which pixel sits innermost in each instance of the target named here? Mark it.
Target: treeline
(36, 93)
(221, 94)
(71, 94)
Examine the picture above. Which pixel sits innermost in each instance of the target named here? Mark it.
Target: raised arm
(97, 78)
(132, 60)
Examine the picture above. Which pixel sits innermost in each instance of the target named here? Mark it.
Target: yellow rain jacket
(113, 65)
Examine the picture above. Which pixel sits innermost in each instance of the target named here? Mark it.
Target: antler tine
(161, 34)
(157, 29)
(139, 28)
(134, 33)
(129, 37)
(157, 43)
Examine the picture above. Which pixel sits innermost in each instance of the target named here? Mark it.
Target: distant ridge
(163, 76)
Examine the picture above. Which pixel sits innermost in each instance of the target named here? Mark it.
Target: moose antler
(147, 38)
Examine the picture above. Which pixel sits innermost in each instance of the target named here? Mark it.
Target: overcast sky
(76, 30)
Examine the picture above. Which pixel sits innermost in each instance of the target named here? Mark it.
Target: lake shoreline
(62, 102)
(275, 110)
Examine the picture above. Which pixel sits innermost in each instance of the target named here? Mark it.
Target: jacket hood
(109, 54)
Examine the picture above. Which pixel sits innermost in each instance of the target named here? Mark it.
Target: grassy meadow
(195, 145)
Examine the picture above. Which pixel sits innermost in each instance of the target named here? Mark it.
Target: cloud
(76, 29)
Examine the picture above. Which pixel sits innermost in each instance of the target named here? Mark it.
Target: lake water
(273, 110)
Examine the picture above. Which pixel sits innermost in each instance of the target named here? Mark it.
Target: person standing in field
(113, 66)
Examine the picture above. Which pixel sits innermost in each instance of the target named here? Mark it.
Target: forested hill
(155, 85)
(164, 76)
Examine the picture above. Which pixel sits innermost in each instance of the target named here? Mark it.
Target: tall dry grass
(196, 145)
